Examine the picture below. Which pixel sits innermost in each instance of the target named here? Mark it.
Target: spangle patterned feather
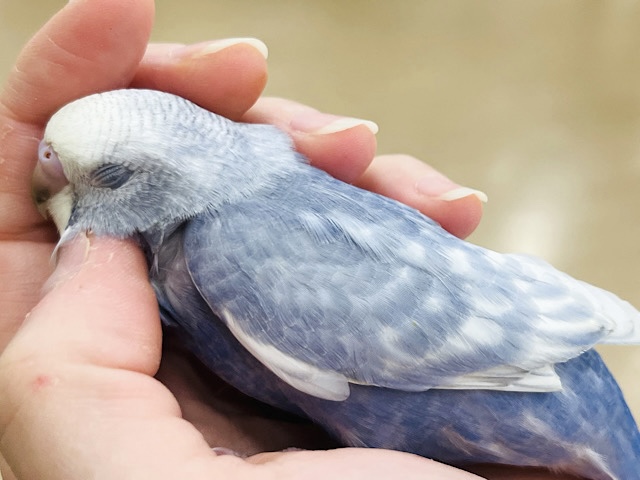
(338, 304)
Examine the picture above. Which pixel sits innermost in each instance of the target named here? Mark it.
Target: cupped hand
(81, 344)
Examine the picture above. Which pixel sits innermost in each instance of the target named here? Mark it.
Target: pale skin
(82, 396)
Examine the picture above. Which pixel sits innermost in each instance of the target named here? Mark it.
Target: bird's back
(352, 282)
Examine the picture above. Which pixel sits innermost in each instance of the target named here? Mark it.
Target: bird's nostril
(50, 163)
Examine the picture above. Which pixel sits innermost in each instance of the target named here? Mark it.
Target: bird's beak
(48, 179)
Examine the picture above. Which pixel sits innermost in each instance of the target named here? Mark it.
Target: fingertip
(217, 45)
(88, 46)
(109, 254)
(344, 155)
(68, 258)
(98, 307)
(460, 217)
(406, 179)
(342, 146)
(224, 76)
(463, 192)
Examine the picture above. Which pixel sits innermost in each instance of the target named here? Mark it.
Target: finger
(224, 76)
(99, 294)
(342, 146)
(89, 46)
(78, 400)
(458, 209)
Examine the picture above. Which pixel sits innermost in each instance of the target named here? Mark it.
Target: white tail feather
(623, 317)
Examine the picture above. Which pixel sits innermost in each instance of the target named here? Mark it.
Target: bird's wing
(327, 285)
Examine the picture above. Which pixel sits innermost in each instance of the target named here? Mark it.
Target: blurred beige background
(536, 103)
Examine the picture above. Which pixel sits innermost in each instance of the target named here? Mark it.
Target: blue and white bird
(338, 304)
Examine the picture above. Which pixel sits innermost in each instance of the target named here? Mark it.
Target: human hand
(79, 395)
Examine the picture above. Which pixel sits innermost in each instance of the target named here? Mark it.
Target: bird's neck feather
(256, 158)
(259, 157)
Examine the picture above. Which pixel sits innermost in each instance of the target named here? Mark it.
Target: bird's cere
(340, 305)
(48, 177)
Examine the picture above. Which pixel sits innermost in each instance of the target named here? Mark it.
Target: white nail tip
(218, 45)
(463, 192)
(342, 124)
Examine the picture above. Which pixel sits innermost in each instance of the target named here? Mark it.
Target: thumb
(98, 308)
(77, 397)
(69, 376)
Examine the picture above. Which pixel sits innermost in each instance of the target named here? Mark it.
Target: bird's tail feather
(620, 314)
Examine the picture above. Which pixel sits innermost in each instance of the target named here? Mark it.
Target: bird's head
(127, 161)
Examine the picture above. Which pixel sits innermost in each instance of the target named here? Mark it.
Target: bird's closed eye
(110, 176)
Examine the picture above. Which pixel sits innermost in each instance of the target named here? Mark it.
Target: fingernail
(217, 45)
(70, 258)
(318, 123)
(73, 254)
(463, 192)
(440, 187)
(163, 51)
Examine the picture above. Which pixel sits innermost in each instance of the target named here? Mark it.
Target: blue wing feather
(350, 282)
